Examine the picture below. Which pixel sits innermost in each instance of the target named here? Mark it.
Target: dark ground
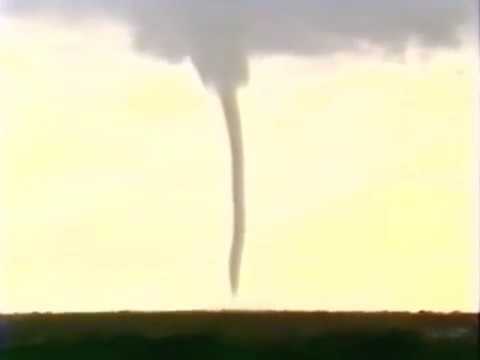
(239, 335)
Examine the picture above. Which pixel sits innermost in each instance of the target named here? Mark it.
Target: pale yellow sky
(361, 191)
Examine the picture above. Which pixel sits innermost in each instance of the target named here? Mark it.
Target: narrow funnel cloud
(232, 118)
(223, 66)
(229, 67)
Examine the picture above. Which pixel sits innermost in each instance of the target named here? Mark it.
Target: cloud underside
(219, 35)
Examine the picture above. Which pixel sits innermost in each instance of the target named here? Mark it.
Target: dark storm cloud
(219, 35)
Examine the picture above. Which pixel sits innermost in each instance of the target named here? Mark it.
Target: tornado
(233, 124)
(219, 55)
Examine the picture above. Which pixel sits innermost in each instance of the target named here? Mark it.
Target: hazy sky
(360, 165)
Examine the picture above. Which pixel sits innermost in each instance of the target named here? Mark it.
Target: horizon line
(241, 311)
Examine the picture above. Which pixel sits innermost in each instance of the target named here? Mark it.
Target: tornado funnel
(232, 118)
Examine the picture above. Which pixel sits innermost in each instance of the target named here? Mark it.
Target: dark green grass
(239, 336)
